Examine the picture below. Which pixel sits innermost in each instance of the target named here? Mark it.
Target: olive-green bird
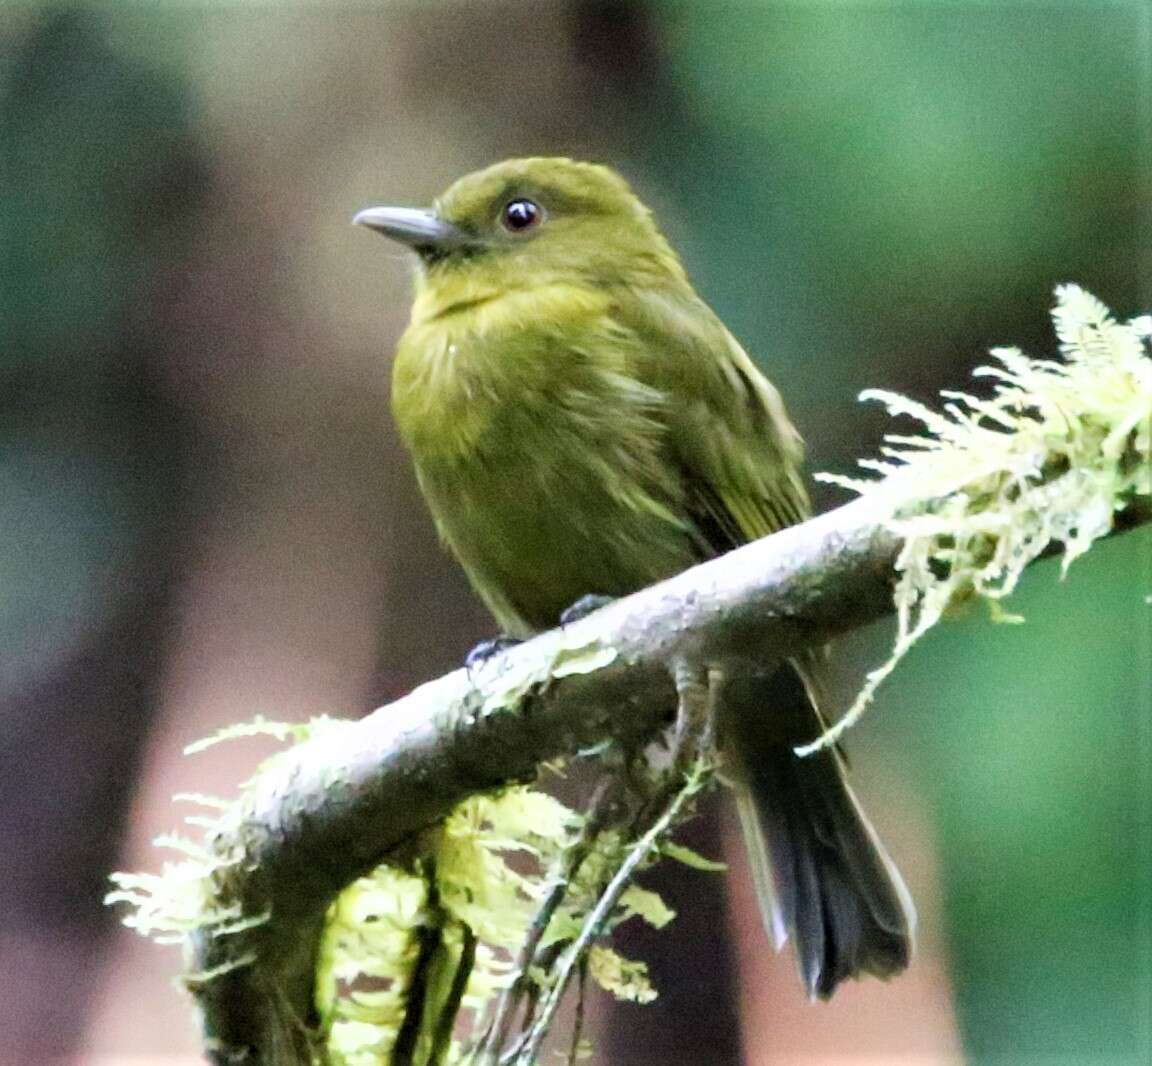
(583, 424)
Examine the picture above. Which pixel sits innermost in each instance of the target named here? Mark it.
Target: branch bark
(334, 807)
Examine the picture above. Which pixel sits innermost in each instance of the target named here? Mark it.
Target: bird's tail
(822, 876)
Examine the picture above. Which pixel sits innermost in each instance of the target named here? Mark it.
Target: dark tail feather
(822, 876)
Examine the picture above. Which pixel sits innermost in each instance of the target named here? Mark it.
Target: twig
(603, 909)
(404, 1051)
(692, 762)
(578, 1021)
(442, 1037)
(602, 802)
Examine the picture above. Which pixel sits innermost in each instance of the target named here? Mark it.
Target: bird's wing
(728, 432)
(738, 454)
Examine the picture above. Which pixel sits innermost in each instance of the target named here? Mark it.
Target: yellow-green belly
(539, 525)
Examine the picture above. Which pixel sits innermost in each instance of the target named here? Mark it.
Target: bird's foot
(488, 649)
(583, 607)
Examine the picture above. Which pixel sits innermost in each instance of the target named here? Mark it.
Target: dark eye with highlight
(520, 215)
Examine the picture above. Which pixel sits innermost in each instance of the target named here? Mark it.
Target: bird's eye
(520, 215)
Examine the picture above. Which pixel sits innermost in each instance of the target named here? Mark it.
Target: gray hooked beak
(416, 228)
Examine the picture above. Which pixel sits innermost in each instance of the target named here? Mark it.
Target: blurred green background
(208, 515)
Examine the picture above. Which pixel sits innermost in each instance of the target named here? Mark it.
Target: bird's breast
(544, 463)
(551, 515)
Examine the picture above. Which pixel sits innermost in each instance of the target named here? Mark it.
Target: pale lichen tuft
(1043, 464)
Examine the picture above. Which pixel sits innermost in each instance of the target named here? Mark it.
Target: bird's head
(529, 222)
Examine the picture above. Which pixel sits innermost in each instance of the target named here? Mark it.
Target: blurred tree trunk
(98, 194)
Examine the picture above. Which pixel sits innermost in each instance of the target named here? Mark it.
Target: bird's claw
(583, 607)
(488, 649)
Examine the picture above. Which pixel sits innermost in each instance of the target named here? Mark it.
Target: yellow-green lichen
(489, 867)
(481, 875)
(1044, 463)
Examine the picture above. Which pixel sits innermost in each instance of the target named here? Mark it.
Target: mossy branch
(960, 512)
(331, 809)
